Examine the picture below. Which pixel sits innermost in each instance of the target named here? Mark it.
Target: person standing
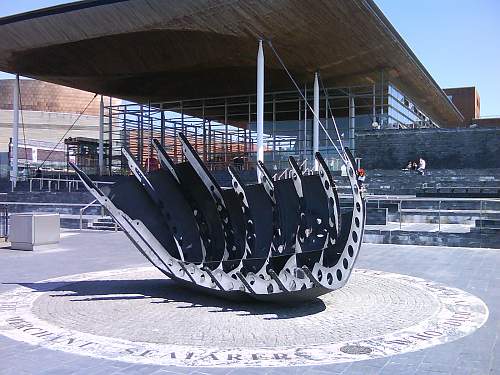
(421, 165)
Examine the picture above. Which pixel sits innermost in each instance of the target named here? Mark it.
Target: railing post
(31, 185)
(480, 216)
(81, 219)
(400, 214)
(439, 216)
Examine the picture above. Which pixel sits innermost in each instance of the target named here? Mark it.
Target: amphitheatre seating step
(451, 204)
(488, 223)
(70, 221)
(448, 211)
(432, 235)
(459, 192)
(376, 216)
(104, 223)
(408, 181)
(61, 208)
(491, 231)
(420, 227)
(471, 239)
(443, 216)
(391, 207)
(46, 197)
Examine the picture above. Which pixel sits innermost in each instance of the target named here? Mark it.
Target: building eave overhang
(155, 50)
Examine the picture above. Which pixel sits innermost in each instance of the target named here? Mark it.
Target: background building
(48, 111)
(468, 102)
(192, 69)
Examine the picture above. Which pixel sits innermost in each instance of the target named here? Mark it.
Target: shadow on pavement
(168, 291)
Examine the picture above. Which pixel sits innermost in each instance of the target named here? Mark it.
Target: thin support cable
(67, 131)
(22, 123)
(341, 154)
(331, 112)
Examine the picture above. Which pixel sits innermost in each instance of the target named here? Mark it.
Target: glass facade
(402, 111)
(223, 130)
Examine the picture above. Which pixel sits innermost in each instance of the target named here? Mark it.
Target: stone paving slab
(472, 270)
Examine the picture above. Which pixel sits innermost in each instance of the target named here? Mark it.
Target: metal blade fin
(165, 161)
(141, 176)
(267, 181)
(331, 191)
(233, 250)
(340, 267)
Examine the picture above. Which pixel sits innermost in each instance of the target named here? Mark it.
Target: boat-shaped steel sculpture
(280, 241)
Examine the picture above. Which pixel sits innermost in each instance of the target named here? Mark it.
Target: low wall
(441, 148)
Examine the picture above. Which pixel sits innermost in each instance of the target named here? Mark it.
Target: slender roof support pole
(374, 104)
(260, 107)
(110, 137)
(15, 133)
(101, 137)
(352, 122)
(162, 128)
(316, 121)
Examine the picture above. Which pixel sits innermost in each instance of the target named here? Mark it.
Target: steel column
(274, 128)
(210, 151)
(15, 133)
(352, 121)
(298, 128)
(162, 129)
(374, 104)
(204, 132)
(140, 140)
(110, 138)
(260, 107)
(226, 131)
(316, 121)
(101, 137)
(305, 121)
(248, 125)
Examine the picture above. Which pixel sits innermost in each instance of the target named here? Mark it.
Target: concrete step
(472, 239)
(485, 230)
(104, 223)
(46, 197)
(376, 216)
(104, 227)
(488, 223)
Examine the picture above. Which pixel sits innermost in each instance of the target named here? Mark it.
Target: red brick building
(468, 102)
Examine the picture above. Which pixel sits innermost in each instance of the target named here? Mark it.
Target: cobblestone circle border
(459, 314)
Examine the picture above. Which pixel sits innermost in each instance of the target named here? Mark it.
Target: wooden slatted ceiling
(168, 49)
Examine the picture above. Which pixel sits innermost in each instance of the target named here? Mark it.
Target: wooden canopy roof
(158, 50)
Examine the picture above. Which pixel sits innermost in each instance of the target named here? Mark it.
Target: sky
(458, 41)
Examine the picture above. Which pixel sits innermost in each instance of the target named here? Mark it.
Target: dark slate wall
(441, 148)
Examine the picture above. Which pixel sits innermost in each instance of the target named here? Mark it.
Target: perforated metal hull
(280, 241)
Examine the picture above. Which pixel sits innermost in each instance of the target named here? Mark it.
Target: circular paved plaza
(94, 306)
(137, 315)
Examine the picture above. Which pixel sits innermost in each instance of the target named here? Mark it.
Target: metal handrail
(400, 199)
(286, 172)
(4, 224)
(69, 183)
(82, 210)
(439, 186)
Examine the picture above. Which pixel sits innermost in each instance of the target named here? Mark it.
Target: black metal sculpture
(282, 241)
